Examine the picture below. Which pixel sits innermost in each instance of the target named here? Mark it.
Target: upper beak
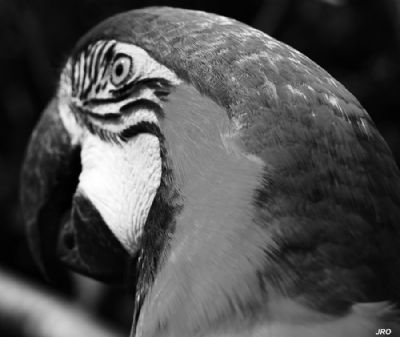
(62, 224)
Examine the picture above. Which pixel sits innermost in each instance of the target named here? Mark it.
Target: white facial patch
(143, 67)
(143, 115)
(120, 177)
(121, 180)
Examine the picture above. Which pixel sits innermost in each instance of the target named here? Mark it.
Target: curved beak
(62, 224)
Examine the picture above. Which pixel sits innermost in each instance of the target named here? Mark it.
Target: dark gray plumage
(278, 204)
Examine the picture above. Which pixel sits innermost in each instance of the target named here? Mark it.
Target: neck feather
(210, 267)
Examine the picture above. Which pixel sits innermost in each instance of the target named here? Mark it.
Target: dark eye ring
(121, 70)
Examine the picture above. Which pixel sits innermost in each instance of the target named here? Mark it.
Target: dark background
(358, 42)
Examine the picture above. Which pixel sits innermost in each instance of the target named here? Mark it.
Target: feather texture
(300, 197)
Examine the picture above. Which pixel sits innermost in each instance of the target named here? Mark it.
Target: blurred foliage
(358, 42)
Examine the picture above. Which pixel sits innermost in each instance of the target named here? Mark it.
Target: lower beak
(87, 246)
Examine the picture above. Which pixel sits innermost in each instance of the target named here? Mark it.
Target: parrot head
(214, 165)
(127, 142)
(95, 167)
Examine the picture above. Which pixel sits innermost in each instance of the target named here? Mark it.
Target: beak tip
(48, 179)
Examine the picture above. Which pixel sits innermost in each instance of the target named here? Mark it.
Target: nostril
(69, 241)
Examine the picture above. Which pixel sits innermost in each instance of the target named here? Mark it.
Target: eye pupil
(119, 69)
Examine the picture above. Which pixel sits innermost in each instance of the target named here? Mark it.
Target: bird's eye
(121, 70)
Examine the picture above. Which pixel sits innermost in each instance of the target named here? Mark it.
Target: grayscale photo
(200, 169)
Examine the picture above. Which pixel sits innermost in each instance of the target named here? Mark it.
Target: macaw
(232, 183)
